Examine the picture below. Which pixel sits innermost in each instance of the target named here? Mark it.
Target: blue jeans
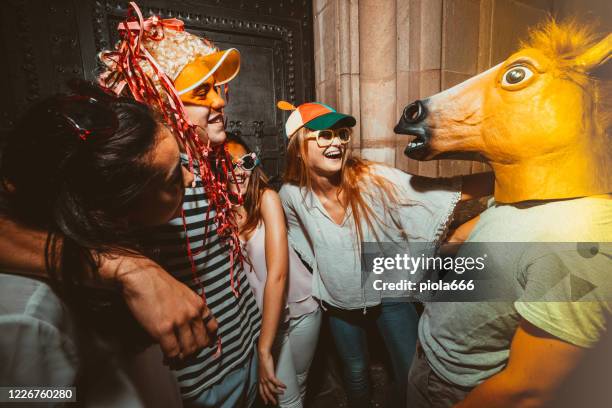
(397, 323)
(238, 389)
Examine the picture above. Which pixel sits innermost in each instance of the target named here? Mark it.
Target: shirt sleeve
(34, 352)
(427, 203)
(298, 239)
(567, 295)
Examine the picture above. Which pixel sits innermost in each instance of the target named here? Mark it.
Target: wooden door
(44, 43)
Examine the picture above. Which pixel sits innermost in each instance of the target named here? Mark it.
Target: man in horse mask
(541, 121)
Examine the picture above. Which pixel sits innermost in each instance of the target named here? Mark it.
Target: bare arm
(274, 300)
(21, 248)
(477, 185)
(457, 237)
(168, 310)
(462, 232)
(538, 364)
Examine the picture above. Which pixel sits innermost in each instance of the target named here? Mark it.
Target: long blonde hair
(356, 182)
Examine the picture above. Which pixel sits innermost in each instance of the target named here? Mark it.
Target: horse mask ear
(597, 55)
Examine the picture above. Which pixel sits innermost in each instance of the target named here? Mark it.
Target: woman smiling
(334, 203)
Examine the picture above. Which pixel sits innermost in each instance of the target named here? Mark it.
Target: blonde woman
(334, 202)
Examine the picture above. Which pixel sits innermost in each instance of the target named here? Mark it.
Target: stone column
(377, 79)
(325, 51)
(348, 64)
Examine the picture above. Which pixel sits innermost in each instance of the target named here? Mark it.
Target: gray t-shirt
(466, 343)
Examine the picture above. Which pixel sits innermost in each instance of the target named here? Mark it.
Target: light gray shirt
(468, 342)
(332, 251)
(39, 347)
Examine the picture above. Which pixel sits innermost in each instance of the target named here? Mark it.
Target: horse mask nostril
(414, 113)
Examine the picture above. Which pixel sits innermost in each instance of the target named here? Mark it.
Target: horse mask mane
(541, 118)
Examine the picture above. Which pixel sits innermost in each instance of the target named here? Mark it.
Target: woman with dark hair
(92, 170)
(97, 169)
(291, 318)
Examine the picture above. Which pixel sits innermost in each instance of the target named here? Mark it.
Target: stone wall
(373, 57)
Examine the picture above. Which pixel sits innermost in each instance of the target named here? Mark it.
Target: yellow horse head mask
(541, 118)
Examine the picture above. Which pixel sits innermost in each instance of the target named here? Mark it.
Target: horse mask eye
(516, 75)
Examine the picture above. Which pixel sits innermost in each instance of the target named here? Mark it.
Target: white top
(332, 250)
(299, 295)
(39, 347)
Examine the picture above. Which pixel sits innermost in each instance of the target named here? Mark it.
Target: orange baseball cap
(224, 65)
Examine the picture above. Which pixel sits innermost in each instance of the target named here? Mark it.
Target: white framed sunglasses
(326, 137)
(248, 162)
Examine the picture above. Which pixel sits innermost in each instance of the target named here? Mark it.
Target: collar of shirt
(312, 202)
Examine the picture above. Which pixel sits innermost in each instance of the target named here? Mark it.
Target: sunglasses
(247, 162)
(326, 137)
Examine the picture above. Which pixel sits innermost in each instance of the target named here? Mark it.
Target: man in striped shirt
(211, 380)
(190, 247)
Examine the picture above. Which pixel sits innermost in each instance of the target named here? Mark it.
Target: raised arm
(275, 291)
(168, 310)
